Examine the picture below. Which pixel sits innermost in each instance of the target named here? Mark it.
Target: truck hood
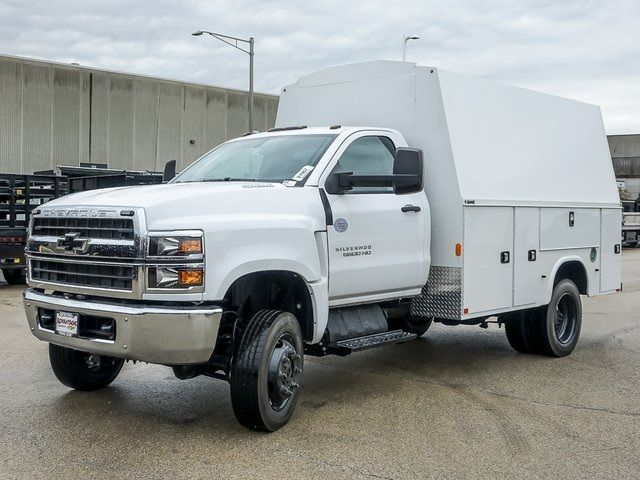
(187, 205)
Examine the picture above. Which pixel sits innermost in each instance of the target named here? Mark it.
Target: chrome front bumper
(154, 334)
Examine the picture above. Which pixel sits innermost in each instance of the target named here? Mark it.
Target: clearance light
(458, 249)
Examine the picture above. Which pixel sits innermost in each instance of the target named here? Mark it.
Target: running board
(348, 345)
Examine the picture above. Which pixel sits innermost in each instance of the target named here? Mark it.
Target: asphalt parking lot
(458, 403)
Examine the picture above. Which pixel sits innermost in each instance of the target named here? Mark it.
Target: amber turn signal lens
(190, 245)
(458, 249)
(190, 277)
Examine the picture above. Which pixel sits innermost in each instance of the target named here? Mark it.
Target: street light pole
(405, 39)
(251, 43)
(233, 41)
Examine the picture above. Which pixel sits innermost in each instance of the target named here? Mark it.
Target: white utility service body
(505, 168)
(388, 195)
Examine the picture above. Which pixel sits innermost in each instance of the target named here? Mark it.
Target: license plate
(67, 323)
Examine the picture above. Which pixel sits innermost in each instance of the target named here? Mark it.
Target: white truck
(457, 200)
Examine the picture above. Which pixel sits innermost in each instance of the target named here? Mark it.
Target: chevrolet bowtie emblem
(71, 243)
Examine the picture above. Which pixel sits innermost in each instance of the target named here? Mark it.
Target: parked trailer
(19, 196)
(388, 197)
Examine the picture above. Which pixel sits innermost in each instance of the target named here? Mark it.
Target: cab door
(378, 240)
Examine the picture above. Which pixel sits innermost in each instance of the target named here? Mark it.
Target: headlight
(175, 277)
(175, 261)
(175, 246)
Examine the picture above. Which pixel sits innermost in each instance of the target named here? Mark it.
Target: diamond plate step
(375, 340)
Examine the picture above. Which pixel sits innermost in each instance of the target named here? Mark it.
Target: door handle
(410, 208)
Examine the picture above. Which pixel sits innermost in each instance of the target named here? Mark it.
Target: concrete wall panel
(169, 125)
(237, 114)
(99, 117)
(65, 137)
(36, 117)
(145, 126)
(10, 116)
(192, 124)
(215, 120)
(121, 122)
(85, 113)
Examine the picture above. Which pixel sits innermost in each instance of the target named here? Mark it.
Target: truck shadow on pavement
(148, 396)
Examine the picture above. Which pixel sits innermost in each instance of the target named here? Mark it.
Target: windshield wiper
(225, 179)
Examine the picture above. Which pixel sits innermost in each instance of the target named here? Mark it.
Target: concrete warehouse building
(625, 154)
(58, 114)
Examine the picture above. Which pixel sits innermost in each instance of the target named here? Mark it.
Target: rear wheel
(413, 324)
(81, 370)
(519, 328)
(267, 371)
(15, 276)
(552, 330)
(559, 329)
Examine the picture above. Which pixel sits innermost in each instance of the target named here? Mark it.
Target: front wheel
(267, 371)
(81, 370)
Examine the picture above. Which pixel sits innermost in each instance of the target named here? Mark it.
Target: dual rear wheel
(550, 330)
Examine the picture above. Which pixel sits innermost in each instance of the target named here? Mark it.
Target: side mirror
(408, 161)
(406, 177)
(169, 171)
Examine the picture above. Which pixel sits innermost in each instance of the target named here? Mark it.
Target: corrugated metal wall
(54, 114)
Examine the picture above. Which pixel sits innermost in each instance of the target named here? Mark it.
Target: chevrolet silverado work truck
(389, 196)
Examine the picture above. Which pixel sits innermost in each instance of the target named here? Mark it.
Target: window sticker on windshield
(289, 183)
(304, 171)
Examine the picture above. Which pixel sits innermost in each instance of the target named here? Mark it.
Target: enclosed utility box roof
(483, 141)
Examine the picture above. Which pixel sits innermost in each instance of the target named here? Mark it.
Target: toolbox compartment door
(488, 259)
(610, 250)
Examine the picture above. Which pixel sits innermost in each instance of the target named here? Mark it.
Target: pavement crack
(356, 470)
(565, 405)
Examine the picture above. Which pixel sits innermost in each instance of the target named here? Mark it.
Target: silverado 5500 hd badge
(355, 250)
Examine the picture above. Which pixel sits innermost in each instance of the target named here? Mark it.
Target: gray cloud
(583, 49)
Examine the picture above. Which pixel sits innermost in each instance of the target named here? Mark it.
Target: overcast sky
(587, 50)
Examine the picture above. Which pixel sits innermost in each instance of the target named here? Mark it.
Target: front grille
(83, 274)
(111, 228)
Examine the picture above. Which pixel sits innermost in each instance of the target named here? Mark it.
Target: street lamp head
(412, 37)
(197, 34)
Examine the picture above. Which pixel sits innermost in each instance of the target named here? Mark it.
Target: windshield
(264, 159)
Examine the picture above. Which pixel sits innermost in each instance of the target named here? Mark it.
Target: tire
(15, 276)
(266, 372)
(413, 324)
(519, 327)
(72, 368)
(559, 329)
(552, 330)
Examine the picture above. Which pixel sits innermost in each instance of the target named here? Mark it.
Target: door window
(371, 155)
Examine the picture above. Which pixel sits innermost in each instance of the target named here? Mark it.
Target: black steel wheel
(550, 330)
(81, 370)
(559, 330)
(14, 276)
(267, 371)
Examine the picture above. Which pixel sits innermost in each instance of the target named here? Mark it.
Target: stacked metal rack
(21, 194)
